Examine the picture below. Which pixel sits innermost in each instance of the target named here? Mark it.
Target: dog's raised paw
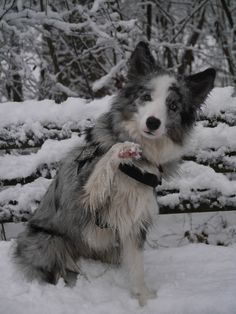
(130, 150)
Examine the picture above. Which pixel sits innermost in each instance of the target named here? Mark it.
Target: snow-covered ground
(189, 278)
(193, 279)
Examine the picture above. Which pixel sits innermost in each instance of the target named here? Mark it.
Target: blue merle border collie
(101, 203)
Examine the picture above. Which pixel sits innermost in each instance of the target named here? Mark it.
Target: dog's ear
(200, 85)
(141, 61)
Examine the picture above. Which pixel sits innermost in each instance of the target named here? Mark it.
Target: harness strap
(135, 173)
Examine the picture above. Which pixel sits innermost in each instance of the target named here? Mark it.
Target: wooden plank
(207, 204)
(188, 208)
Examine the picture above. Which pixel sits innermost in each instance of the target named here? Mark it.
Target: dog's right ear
(141, 61)
(200, 85)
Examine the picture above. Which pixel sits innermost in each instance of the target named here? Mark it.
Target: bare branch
(188, 19)
(8, 9)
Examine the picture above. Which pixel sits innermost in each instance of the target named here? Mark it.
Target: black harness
(145, 177)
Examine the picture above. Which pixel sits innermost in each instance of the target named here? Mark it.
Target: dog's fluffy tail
(41, 256)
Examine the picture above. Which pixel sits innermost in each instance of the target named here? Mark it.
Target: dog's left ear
(200, 85)
(141, 61)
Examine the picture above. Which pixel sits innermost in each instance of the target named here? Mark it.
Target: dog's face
(159, 102)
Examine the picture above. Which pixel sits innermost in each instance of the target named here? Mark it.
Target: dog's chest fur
(132, 204)
(130, 209)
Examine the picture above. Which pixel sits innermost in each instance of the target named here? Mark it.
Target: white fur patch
(157, 151)
(127, 202)
(157, 107)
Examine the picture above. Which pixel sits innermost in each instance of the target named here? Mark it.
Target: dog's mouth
(149, 133)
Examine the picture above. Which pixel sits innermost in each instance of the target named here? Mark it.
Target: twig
(187, 19)
(10, 7)
(3, 232)
(168, 16)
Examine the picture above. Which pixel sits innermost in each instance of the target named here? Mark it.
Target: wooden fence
(30, 154)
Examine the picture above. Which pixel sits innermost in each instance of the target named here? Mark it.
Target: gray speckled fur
(54, 236)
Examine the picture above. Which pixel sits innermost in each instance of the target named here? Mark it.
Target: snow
(26, 197)
(21, 166)
(215, 228)
(220, 102)
(47, 111)
(213, 142)
(196, 279)
(194, 177)
(106, 78)
(96, 5)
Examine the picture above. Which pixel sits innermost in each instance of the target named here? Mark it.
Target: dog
(102, 201)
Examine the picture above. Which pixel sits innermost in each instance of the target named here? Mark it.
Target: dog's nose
(153, 123)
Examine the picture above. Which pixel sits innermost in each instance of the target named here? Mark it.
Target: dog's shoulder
(81, 155)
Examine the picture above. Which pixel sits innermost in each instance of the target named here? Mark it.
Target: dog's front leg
(133, 263)
(99, 186)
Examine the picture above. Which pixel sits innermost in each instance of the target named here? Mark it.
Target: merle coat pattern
(94, 210)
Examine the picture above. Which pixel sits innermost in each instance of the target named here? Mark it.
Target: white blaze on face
(157, 107)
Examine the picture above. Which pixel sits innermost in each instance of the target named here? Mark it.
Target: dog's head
(159, 102)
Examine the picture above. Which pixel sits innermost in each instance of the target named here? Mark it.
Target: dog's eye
(146, 97)
(173, 106)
